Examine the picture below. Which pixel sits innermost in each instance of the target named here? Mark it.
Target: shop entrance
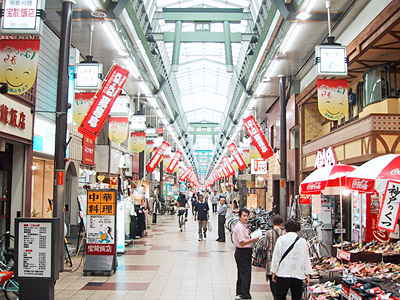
(6, 160)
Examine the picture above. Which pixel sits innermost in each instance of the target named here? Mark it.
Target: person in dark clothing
(202, 215)
(194, 202)
(221, 220)
(183, 203)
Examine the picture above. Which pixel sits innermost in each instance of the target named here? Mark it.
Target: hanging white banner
(389, 213)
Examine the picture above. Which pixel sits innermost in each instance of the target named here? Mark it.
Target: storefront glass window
(373, 86)
(42, 188)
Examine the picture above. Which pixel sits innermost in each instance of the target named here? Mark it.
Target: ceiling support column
(177, 46)
(228, 47)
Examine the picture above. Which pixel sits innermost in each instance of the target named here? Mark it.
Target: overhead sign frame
(331, 60)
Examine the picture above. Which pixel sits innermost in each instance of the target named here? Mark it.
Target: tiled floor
(167, 264)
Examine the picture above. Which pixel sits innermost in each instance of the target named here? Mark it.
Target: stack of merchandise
(328, 264)
(379, 270)
(323, 291)
(371, 289)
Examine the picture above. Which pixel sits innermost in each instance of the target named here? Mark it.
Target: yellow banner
(333, 101)
(138, 141)
(82, 103)
(118, 129)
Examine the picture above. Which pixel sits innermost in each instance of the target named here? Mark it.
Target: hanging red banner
(185, 174)
(174, 161)
(237, 156)
(258, 138)
(228, 166)
(224, 169)
(155, 160)
(104, 100)
(88, 149)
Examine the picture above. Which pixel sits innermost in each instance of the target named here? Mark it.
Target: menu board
(34, 254)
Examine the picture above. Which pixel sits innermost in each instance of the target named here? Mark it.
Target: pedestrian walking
(290, 263)
(202, 215)
(214, 201)
(221, 220)
(243, 243)
(271, 236)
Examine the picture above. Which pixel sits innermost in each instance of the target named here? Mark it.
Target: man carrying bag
(290, 263)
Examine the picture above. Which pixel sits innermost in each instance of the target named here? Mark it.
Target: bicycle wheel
(323, 251)
(11, 289)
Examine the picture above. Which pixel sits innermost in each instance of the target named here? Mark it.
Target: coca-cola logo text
(314, 186)
(395, 172)
(381, 236)
(360, 184)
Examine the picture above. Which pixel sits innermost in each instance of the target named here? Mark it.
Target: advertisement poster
(104, 100)
(118, 129)
(18, 64)
(333, 102)
(137, 141)
(34, 255)
(258, 137)
(81, 106)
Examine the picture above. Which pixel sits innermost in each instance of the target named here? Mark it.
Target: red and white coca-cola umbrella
(327, 180)
(373, 175)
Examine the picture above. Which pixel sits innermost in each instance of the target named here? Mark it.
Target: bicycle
(10, 285)
(316, 247)
(181, 218)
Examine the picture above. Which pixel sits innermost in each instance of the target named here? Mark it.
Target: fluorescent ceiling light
(113, 36)
(271, 69)
(132, 68)
(93, 5)
(303, 15)
(290, 37)
(310, 5)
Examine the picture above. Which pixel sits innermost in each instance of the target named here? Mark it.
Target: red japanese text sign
(258, 138)
(155, 160)
(228, 165)
(237, 156)
(104, 100)
(186, 174)
(174, 161)
(389, 213)
(88, 150)
(224, 169)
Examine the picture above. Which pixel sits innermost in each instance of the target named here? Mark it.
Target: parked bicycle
(8, 284)
(317, 249)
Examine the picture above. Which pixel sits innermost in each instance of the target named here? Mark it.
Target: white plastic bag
(209, 226)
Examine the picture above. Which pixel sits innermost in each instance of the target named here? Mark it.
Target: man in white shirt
(290, 271)
(214, 201)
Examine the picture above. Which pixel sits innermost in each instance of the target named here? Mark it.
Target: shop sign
(160, 131)
(88, 76)
(118, 129)
(331, 60)
(305, 199)
(138, 141)
(18, 64)
(258, 138)
(100, 231)
(228, 165)
(88, 150)
(174, 162)
(138, 122)
(104, 99)
(333, 102)
(15, 118)
(81, 106)
(389, 213)
(22, 17)
(325, 157)
(258, 166)
(237, 156)
(155, 160)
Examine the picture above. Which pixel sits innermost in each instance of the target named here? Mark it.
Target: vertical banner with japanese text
(186, 174)
(174, 161)
(18, 64)
(237, 156)
(118, 128)
(104, 99)
(228, 165)
(258, 137)
(100, 231)
(138, 141)
(155, 160)
(88, 150)
(389, 212)
(333, 101)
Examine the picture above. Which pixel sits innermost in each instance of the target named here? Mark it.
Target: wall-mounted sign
(22, 17)
(155, 160)
(88, 76)
(104, 99)
(258, 137)
(331, 60)
(44, 136)
(333, 101)
(258, 166)
(118, 129)
(88, 151)
(138, 122)
(18, 64)
(325, 157)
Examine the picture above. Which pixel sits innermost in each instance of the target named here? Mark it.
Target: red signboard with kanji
(88, 150)
(237, 156)
(104, 100)
(258, 137)
(155, 160)
(174, 161)
(228, 165)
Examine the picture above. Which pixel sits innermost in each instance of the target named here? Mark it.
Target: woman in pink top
(244, 244)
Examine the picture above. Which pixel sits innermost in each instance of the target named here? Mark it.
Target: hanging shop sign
(258, 138)
(331, 60)
(18, 64)
(88, 76)
(118, 129)
(325, 157)
(155, 160)
(237, 156)
(81, 106)
(138, 122)
(22, 17)
(104, 99)
(258, 166)
(174, 162)
(228, 165)
(138, 141)
(333, 101)
(120, 106)
(15, 119)
(88, 150)
(389, 213)
(160, 131)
